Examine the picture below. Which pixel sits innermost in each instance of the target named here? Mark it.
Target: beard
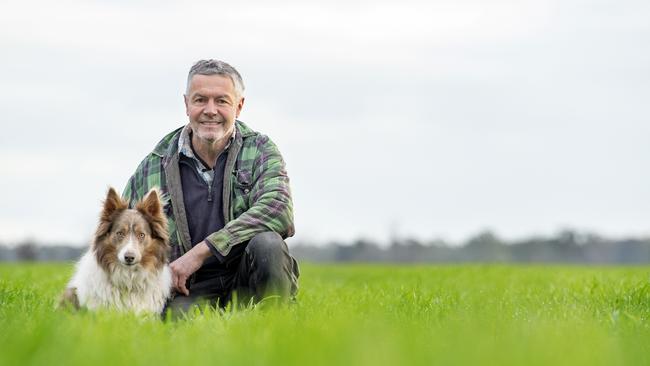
(213, 131)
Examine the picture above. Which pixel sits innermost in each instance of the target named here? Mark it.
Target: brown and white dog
(126, 268)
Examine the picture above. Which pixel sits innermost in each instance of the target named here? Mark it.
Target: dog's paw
(69, 299)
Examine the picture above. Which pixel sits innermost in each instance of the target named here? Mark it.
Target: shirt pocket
(243, 179)
(243, 185)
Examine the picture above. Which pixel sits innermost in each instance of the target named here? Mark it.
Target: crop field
(354, 315)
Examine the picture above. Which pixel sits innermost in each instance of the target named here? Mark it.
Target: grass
(355, 315)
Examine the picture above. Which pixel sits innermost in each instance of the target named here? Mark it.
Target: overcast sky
(410, 118)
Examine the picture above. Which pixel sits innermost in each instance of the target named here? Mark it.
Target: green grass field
(355, 315)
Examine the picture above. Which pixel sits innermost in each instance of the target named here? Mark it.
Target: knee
(266, 244)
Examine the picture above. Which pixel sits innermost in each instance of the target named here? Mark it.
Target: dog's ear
(151, 207)
(151, 204)
(112, 204)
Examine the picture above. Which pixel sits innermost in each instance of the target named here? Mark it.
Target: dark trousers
(264, 270)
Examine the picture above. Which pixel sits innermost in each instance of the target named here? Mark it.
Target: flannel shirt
(256, 193)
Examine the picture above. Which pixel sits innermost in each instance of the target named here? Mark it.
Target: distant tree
(27, 251)
(485, 246)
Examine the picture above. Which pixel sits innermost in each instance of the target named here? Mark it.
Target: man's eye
(141, 235)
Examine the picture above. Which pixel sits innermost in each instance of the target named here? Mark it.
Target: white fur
(130, 248)
(124, 288)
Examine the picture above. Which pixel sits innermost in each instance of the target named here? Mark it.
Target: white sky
(425, 119)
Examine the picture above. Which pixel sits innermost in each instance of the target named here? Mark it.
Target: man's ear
(240, 106)
(187, 109)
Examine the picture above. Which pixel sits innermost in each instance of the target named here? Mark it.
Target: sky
(434, 119)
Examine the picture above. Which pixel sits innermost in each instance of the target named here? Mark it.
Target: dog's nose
(129, 258)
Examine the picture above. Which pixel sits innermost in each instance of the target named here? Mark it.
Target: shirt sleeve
(271, 208)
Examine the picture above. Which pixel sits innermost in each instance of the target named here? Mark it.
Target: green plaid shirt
(256, 194)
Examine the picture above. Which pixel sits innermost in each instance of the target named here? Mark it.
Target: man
(229, 205)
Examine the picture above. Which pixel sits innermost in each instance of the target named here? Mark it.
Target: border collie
(125, 268)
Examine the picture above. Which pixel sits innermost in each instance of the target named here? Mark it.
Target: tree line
(568, 246)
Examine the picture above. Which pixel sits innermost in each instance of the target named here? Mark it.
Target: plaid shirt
(256, 194)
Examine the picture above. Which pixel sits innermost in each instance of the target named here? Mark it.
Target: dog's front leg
(69, 299)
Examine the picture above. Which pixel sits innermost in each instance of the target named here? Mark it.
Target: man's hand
(190, 262)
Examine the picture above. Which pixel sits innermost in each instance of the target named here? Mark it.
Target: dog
(126, 268)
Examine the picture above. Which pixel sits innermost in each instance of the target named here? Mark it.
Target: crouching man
(229, 204)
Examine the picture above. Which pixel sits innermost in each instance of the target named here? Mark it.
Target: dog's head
(135, 238)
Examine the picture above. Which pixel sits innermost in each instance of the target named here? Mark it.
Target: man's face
(212, 106)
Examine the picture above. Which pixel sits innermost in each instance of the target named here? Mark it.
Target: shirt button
(246, 190)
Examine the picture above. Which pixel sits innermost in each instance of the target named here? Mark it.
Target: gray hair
(216, 67)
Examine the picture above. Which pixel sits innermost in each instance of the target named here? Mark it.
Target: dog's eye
(141, 235)
(120, 233)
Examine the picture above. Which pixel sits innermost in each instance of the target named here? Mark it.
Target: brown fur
(113, 205)
(147, 218)
(69, 299)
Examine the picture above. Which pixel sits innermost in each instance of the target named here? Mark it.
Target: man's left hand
(183, 267)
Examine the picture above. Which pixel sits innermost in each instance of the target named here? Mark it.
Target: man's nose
(210, 108)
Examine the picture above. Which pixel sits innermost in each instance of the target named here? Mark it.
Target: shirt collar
(185, 141)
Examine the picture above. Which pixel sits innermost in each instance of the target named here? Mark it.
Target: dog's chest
(122, 289)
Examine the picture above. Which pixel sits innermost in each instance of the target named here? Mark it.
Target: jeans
(263, 270)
